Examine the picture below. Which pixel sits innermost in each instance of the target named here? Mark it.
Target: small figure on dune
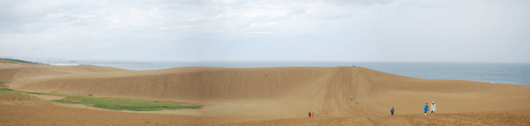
(351, 106)
(313, 114)
(425, 109)
(392, 111)
(433, 108)
(309, 114)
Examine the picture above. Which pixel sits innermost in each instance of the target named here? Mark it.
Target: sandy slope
(248, 96)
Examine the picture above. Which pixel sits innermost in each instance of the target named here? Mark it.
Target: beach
(262, 96)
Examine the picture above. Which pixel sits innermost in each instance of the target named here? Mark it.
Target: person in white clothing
(433, 108)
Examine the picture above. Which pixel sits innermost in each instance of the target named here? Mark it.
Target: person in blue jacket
(392, 111)
(425, 109)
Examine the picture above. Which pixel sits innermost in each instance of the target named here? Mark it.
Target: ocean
(509, 73)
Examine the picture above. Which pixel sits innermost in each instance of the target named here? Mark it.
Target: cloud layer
(231, 30)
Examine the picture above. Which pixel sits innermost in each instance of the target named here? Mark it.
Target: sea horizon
(507, 73)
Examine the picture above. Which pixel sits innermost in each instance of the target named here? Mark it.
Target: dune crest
(285, 91)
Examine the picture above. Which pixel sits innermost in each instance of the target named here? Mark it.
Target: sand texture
(263, 96)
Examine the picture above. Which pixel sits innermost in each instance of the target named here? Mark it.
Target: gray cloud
(191, 30)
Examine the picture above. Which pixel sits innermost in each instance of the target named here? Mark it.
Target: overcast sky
(232, 30)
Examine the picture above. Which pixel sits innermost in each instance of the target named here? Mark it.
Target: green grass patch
(2, 83)
(7, 94)
(39, 93)
(5, 89)
(131, 104)
(112, 103)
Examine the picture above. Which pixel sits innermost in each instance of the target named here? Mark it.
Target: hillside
(283, 92)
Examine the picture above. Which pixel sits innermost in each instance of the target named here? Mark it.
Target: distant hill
(8, 60)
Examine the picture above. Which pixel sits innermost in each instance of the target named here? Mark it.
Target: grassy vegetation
(8, 95)
(8, 60)
(2, 83)
(39, 93)
(131, 104)
(114, 103)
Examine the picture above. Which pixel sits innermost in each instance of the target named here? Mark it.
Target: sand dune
(276, 93)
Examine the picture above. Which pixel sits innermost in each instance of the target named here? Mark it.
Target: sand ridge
(281, 93)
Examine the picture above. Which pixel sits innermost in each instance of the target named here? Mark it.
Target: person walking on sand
(392, 111)
(313, 114)
(425, 109)
(433, 108)
(309, 114)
